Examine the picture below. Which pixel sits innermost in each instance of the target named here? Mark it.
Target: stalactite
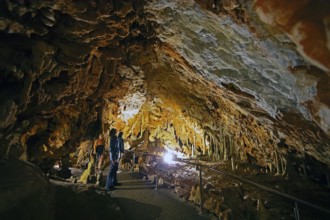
(231, 151)
(224, 147)
(236, 147)
(271, 168)
(212, 147)
(221, 149)
(175, 132)
(142, 123)
(224, 143)
(209, 150)
(204, 140)
(278, 163)
(194, 144)
(220, 146)
(225, 152)
(132, 129)
(187, 143)
(203, 144)
(217, 151)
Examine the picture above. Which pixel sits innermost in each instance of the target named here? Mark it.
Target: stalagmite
(213, 84)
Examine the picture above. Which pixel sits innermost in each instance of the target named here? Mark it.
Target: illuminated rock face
(306, 23)
(57, 61)
(228, 53)
(171, 75)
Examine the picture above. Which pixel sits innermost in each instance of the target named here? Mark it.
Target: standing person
(99, 150)
(120, 144)
(111, 178)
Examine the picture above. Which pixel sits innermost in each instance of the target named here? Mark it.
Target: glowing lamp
(168, 158)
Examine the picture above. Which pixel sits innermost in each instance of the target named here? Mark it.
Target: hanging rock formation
(57, 61)
(192, 77)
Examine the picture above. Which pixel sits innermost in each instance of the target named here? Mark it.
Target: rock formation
(238, 79)
(20, 187)
(212, 80)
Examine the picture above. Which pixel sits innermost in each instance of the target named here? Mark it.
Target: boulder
(25, 191)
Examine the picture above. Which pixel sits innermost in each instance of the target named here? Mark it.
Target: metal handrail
(284, 195)
(257, 185)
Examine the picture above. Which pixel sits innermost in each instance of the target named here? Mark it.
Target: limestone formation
(237, 80)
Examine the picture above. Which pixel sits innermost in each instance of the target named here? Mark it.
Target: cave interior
(241, 86)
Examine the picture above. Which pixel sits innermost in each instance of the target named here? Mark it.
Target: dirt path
(139, 200)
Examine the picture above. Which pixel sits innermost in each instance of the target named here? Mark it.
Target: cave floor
(138, 199)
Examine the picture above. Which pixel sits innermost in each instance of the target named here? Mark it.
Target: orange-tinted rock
(304, 22)
(171, 78)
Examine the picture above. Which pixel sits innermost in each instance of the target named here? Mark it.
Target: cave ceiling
(231, 80)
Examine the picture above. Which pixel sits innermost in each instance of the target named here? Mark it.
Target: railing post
(201, 188)
(156, 179)
(133, 162)
(296, 212)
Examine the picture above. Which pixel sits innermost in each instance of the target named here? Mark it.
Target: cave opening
(225, 103)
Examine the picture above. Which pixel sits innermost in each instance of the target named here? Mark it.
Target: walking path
(138, 199)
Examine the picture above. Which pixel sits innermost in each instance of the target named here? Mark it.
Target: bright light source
(168, 158)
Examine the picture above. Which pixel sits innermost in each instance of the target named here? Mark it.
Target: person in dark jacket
(114, 153)
(120, 144)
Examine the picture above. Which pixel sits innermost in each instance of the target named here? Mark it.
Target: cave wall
(307, 29)
(258, 64)
(170, 74)
(186, 112)
(58, 58)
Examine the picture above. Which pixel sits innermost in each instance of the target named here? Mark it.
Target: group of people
(116, 148)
